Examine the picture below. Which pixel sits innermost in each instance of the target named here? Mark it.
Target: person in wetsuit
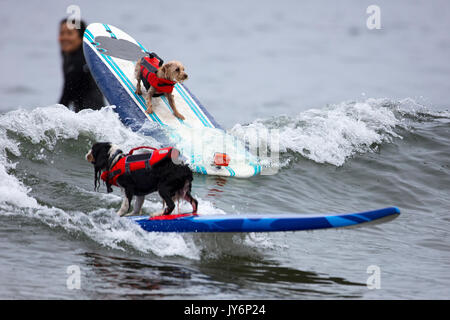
(80, 90)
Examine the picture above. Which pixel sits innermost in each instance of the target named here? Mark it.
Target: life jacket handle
(154, 55)
(138, 148)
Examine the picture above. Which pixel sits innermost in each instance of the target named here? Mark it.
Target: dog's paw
(178, 115)
(156, 214)
(121, 214)
(149, 110)
(129, 214)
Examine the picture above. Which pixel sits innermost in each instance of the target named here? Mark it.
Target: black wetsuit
(80, 90)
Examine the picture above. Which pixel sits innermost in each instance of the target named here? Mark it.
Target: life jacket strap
(154, 55)
(132, 160)
(112, 174)
(139, 148)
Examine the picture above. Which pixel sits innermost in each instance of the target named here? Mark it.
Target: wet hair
(80, 30)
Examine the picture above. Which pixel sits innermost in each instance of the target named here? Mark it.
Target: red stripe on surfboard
(173, 216)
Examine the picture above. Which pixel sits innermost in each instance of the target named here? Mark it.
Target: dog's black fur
(169, 179)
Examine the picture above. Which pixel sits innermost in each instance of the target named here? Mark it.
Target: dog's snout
(185, 76)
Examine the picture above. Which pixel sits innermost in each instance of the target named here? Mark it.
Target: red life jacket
(130, 163)
(149, 68)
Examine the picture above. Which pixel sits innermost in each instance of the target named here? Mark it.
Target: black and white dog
(172, 181)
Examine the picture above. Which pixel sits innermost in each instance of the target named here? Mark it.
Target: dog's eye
(177, 69)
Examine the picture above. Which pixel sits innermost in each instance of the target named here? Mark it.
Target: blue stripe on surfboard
(87, 34)
(255, 168)
(205, 112)
(109, 31)
(361, 217)
(378, 213)
(259, 169)
(193, 107)
(358, 218)
(202, 115)
(140, 45)
(164, 99)
(340, 221)
(201, 170)
(231, 171)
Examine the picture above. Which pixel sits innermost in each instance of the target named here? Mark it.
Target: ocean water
(363, 122)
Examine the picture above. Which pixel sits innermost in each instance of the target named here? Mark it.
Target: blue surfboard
(261, 222)
(111, 55)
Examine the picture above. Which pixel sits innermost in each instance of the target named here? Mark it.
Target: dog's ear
(165, 71)
(100, 154)
(101, 160)
(168, 70)
(101, 163)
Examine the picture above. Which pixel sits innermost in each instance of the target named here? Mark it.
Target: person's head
(70, 38)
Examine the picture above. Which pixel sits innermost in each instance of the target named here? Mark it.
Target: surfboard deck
(261, 222)
(111, 55)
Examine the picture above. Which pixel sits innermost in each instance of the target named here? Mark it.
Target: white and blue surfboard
(111, 55)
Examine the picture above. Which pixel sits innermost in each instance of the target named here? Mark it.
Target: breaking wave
(338, 132)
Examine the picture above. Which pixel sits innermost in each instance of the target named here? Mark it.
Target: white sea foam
(336, 133)
(11, 190)
(49, 124)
